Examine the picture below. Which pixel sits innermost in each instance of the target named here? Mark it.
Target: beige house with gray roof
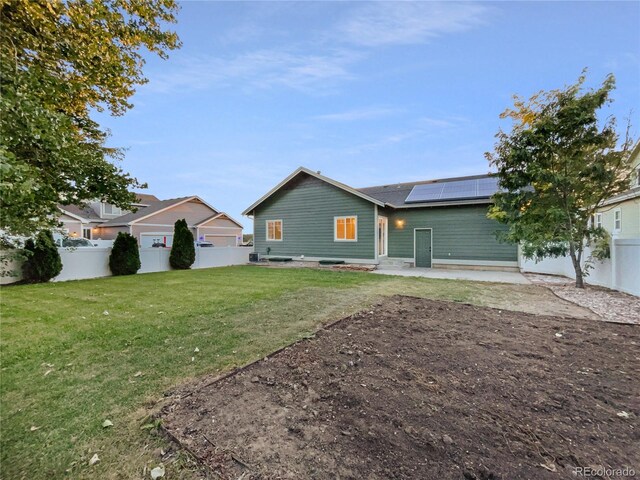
(152, 222)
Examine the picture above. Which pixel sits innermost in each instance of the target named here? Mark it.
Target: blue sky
(368, 93)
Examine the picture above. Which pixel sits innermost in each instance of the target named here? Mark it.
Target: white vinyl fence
(82, 263)
(620, 272)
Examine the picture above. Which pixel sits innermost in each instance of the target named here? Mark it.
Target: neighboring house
(153, 221)
(85, 221)
(439, 223)
(620, 215)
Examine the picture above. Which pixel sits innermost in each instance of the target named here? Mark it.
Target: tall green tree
(183, 251)
(59, 61)
(556, 167)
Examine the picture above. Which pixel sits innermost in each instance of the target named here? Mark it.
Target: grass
(71, 352)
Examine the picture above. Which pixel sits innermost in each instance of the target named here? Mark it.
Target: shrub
(183, 251)
(125, 257)
(43, 260)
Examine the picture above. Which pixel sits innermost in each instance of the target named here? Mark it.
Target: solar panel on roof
(454, 190)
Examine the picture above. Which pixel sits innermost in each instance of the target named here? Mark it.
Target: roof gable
(217, 216)
(154, 209)
(330, 181)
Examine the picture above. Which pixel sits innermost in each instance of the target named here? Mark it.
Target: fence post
(612, 255)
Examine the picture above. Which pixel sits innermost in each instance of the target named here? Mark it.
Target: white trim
(414, 245)
(72, 215)
(386, 234)
(598, 220)
(634, 193)
(225, 228)
(168, 225)
(617, 211)
(481, 201)
(335, 229)
(328, 180)
(375, 231)
(266, 231)
(218, 215)
(188, 199)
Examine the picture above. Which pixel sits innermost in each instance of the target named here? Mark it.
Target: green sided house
(435, 223)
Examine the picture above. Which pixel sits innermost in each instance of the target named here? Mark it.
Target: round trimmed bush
(125, 257)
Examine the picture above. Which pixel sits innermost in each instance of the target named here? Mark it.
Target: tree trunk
(575, 259)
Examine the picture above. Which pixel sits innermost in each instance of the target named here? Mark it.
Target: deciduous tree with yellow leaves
(556, 167)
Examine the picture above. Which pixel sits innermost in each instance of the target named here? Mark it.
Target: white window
(86, 232)
(598, 220)
(274, 230)
(617, 220)
(112, 209)
(345, 229)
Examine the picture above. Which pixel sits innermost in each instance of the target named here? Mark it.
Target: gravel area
(609, 305)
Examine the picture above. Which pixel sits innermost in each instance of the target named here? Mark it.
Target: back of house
(436, 223)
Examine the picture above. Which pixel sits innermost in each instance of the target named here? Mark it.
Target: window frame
(598, 220)
(617, 218)
(335, 228)
(266, 233)
(114, 210)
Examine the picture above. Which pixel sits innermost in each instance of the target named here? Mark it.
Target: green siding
(459, 233)
(307, 206)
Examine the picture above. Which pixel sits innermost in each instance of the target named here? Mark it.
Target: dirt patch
(425, 389)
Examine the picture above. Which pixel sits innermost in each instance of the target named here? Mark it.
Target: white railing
(620, 272)
(81, 263)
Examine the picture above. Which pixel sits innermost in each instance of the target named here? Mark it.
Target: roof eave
(480, 201)
(328, 180)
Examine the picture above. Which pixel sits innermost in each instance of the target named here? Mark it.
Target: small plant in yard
(43, 260)
(183, 251)
(125, 257)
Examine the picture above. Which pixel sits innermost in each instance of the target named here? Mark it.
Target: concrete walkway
(474, 275)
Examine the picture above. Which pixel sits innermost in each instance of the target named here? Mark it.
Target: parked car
(74, 242)
(204, 244)
(158, 245)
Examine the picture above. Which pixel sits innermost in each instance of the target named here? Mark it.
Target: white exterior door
(383, 231)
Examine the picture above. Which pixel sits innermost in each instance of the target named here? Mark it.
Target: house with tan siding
(152, 222)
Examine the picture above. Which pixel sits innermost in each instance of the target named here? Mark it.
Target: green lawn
(71, 352)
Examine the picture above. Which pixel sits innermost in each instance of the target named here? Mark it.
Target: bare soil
(424, 389)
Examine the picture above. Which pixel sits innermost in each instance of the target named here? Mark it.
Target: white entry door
(383, 230)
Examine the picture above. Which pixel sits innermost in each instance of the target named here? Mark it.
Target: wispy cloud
(405, 23)
(358, 114)
(257, 70)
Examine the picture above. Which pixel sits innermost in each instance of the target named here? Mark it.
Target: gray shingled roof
(146, 198)
(395, 194)
(143, 212)
(87, 212)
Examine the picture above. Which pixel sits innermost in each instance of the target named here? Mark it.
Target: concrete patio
(475, 275)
